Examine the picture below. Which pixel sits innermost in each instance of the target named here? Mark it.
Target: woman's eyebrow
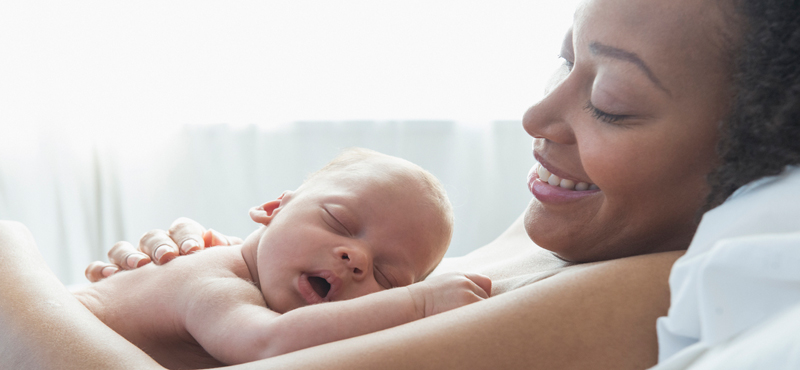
(597, 48)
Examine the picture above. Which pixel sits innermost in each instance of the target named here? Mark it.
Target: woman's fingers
(213, 238)
(124, 255)
(185, 236)
(188, 235)
(100, 270)
(159, 246)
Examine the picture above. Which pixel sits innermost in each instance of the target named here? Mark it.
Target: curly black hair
(761, 135)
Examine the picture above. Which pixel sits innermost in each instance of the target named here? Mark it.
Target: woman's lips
(310, 295)
(557, 177)
(547, 193)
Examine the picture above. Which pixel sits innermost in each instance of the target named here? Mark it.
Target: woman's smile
(549, 188)
(550, 184)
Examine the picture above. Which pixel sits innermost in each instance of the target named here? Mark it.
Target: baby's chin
(277, 303)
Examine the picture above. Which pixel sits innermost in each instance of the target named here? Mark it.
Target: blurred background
(117, 118)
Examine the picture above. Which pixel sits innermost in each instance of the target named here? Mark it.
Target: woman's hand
(185, 236)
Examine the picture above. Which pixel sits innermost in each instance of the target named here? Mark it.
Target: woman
(634, 110)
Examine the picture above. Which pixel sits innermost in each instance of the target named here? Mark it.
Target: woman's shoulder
(662, 261)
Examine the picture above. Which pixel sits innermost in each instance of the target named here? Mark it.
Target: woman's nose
(550, 118)
(356, 260)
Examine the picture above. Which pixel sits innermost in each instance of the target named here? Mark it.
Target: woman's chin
(568, 239)
(542, 237)
(558, 251)
(529, 219)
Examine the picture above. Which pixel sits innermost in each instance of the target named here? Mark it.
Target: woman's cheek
(602, 162)
(623, 161)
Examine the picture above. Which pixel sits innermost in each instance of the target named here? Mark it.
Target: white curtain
(81, 193)
(94, 98)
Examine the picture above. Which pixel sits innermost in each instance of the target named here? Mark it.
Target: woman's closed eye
(603, 116)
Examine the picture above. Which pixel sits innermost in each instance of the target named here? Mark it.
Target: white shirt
(742, 267)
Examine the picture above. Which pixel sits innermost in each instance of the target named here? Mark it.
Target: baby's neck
(249, 252)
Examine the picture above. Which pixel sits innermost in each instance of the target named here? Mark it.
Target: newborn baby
(365, 223)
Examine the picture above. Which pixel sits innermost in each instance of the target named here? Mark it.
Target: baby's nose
(356, 261)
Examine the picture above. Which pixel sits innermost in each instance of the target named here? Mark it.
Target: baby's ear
(264, 213)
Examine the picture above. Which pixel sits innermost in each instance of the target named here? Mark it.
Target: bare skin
(230, 319)
(596, 316)
(255, 300)
(650, 171)
(37, 312)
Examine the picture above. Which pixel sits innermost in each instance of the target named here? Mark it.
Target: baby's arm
(240, 329)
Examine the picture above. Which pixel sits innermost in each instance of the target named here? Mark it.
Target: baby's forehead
(370, 174)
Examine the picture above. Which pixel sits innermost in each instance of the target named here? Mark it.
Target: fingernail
(216, 238)
(109, 270)
(133, 260)
(161, 251)
(189, 245)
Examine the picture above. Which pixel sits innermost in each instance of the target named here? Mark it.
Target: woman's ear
(264, 213)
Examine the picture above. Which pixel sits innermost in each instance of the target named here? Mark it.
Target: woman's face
(634, 110)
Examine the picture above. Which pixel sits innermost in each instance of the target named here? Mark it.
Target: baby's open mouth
(320, 285)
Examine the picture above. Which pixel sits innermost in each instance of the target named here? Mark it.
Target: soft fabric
(742, 268)
(770, 345)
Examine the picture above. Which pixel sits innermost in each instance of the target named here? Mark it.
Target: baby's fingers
(483, 282)
(100, 270)
(159, 246)
(188, 234)
(124, 255)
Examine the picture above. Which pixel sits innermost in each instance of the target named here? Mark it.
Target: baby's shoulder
(220, 278)
(227, 290)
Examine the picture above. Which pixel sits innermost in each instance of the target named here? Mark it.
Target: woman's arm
(600, 316)
(44, 326)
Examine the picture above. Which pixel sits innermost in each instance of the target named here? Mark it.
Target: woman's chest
(508, 269)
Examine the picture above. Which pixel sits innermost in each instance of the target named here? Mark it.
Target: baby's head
(363, 223)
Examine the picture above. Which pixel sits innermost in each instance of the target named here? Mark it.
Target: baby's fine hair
(436, 195)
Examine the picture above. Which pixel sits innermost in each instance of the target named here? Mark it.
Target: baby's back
(158, 325)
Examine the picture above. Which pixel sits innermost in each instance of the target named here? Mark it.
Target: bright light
(98, 65)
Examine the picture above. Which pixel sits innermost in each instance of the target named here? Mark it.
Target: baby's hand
(448, 291)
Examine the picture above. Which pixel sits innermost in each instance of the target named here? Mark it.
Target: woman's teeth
(554, 180)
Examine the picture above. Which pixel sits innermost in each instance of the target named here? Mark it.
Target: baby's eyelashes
(335, 223)
(382, 280)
